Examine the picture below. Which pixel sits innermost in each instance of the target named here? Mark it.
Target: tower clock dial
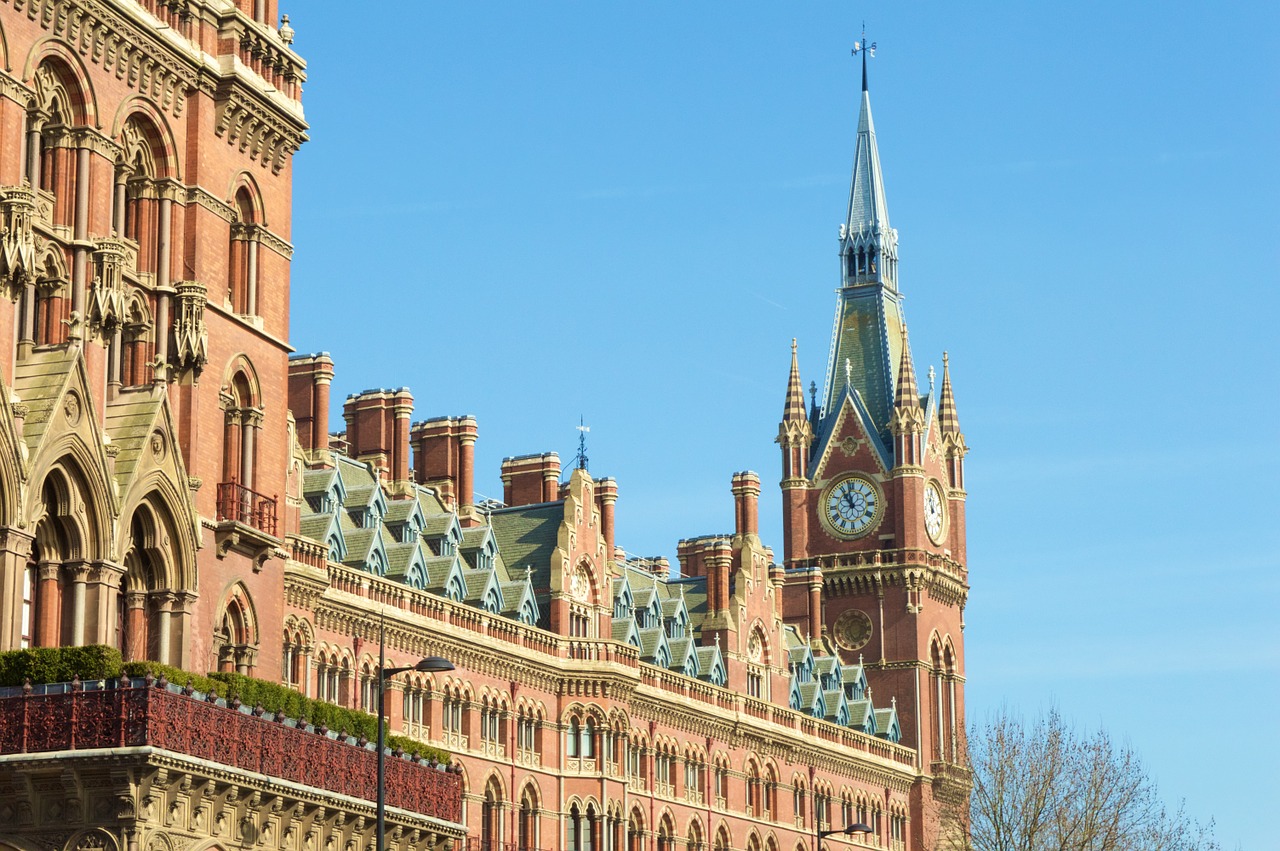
(852, 506)
(935, 512)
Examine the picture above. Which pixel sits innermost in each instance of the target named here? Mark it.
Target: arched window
(246, 235)
(665, 835)
(236, 637)
(238, 497)
(491, 816)
(527, 826)
(635, 831)
(694, 842)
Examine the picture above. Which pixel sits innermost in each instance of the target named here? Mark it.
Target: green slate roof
(528, 536)
(129, 421)
(39, 380)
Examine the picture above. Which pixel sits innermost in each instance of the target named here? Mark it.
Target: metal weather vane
(582, 443)
(862, 47)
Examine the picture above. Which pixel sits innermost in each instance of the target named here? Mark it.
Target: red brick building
(157, 493)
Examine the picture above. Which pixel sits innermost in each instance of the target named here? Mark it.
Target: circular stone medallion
(852, 630)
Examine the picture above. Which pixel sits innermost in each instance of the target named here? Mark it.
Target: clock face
(934, 512)
(852, 506)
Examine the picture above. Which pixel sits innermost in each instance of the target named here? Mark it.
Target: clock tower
(873, 495)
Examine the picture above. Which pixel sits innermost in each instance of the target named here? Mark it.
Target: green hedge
(59, 664)
(99, 662)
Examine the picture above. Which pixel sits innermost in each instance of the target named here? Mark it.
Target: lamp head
(435, 663)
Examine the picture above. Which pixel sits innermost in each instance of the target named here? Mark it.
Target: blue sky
(532, 212)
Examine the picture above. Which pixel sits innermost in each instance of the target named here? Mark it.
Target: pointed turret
(795, 436)
(948, 421)
(908, 416)
(906, 395)
(793, 410)
(949, 426)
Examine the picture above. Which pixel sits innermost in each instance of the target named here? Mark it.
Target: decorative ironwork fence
(134, 714)
(239, 503)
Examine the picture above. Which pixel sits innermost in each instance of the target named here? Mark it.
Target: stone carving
(107, 301)
(189, 330)
(17, 240)
(71, 407)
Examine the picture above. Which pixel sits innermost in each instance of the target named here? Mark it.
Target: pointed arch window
(491, 817)
(246, 237)
(238, 498)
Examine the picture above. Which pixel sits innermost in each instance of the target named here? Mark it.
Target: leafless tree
(1045, 786)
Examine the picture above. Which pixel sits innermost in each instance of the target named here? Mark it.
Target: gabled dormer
(800, 659)
(828, 672)
(623, 599)
(625, 630)
(887, 726)
(837, 706)
(407, 562)
(366, 505)
(862, 716)
(479, 547)
(711, 665)
(483, 591)
(675, 617)
(404, 520)
(521, 602)
(323, 490)
(443, 533)
(684, 657)
(366, 551)
(325, 529)
(855, 681)
(654, 647)
(445, 576)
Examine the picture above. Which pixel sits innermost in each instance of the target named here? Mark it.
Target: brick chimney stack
(309, 379)
(718, 557)
(444, 458)
(606, 499)
(530, 479)
(746, 503)
(378, 430)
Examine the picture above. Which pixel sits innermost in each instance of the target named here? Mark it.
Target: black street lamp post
(431, 663)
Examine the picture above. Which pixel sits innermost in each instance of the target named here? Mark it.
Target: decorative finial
(865, 49)
(931, 378)
(528, 572)
(848, 370)
(286, 31)
(793, 346)
(717, 641)
(813, 394)
(582, 443)
(944, 359)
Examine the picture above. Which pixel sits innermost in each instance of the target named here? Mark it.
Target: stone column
(251, 275)
(121, 204)
(15, 552)
(164, 612)
(78, 573)
(80, 270)
(35, 121)
(163, 262)
(106, 581)
(49, 605)
(135, 625)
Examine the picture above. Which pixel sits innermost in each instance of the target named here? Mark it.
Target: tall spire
(869, 247)
(948, 421)
(868, 321)
(793, 411)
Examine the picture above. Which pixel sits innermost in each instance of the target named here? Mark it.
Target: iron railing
(239, 503)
